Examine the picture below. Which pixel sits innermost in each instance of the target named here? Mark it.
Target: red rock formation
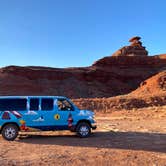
(135, 48)
(152, 92)
(109, 76)
(155, 85)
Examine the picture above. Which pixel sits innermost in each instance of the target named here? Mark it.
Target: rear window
(47, 104)
(13, 104)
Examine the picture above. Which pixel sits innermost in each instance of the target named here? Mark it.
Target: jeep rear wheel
(10, 132)
(83, 130)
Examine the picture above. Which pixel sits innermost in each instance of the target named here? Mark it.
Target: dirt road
(122, 138)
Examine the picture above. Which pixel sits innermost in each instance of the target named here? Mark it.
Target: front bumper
(93, 126)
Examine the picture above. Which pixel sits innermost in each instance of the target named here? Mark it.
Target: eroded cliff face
(150, 93)
(109, 76)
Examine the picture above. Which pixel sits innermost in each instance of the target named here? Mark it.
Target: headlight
(92, 117)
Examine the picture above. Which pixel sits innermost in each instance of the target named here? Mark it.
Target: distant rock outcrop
(135, 48)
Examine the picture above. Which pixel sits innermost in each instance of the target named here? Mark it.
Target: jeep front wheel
(83, 130)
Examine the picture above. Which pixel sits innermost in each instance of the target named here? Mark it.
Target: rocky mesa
(107, 77)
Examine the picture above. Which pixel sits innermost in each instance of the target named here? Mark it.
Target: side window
(13, 104)
(34, 104)
(64, 105)
(47, 104)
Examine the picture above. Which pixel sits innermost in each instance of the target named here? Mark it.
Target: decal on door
(40, 119)
(56, 116)
(70, 120)
(6, 115)
(30, 112)
(23, 126)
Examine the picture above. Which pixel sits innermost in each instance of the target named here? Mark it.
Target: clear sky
(71, 33)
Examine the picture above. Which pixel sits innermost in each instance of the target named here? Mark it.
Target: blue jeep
(42, 113)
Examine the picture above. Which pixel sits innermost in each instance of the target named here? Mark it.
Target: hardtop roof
(10, 97)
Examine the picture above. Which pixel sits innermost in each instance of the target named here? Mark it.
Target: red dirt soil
(122, 138)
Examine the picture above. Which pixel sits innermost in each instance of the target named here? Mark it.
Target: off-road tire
(83, 130)
(10, 132)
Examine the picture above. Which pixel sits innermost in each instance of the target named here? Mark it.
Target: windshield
(65, 105)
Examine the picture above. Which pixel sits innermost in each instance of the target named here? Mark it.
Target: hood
(86, 113)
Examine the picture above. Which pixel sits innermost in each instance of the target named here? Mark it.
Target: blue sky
(71, 33)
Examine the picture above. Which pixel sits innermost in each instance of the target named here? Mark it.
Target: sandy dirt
(136, 137)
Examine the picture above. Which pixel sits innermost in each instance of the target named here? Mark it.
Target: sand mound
(155, 85)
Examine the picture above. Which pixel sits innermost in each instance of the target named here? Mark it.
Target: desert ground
(135, 137)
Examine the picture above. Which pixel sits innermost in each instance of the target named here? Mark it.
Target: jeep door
(65, 110)
(47, 113)
(32, 113)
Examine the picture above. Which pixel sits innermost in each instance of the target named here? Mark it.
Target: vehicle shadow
(155, 142)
